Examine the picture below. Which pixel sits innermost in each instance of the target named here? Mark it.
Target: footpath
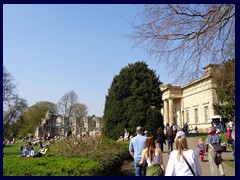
(128, 166)
(192, 144)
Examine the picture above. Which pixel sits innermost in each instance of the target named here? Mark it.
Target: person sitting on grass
(42, 152)
(26, 151)
(31, 152)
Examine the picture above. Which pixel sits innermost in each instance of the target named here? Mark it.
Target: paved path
(192, 144)
(128, 166)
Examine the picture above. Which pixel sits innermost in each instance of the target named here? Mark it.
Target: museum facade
(191, 103)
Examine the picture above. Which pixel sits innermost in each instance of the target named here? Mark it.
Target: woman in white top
(176, 164)
(153, 156)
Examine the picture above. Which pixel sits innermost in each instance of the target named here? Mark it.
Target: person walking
(201, 148)
(146, 133)
(170, 139)
(214, 157)
(183, 161)
(160, 138)
(126, 135)
(153, 156)
(186, 128)
(166, 128)
(136, 146)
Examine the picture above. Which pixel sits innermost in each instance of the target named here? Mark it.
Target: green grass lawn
(11, 150)
(101, 161)
(229, 162)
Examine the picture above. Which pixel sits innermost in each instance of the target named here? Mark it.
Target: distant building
(47, 125)
(191, 103)
(57, 125)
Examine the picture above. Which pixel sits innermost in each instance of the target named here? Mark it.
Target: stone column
(179, 122)
(170, 108)
(165, 113)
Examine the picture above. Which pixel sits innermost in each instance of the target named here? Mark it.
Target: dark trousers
(160, 144)
(38, 155)
(170, 145)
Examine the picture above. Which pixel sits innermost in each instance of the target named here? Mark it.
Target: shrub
(52, 166)
(99, 157)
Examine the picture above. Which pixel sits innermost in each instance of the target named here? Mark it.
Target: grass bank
(67, 159)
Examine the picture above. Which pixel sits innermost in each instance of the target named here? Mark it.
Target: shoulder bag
(218, 147)
(188, 165)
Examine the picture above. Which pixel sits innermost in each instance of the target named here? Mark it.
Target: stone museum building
(191, 103)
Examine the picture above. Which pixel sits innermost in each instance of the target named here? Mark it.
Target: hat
(180, 134)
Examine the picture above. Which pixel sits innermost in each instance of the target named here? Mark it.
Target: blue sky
(53, 49)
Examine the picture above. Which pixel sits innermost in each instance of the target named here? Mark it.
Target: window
(187, 116)
(196, 115)
(206, 113)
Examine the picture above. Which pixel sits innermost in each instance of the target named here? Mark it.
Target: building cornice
(206, 76)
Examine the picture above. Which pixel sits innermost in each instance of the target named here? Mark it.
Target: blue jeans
(139, 169)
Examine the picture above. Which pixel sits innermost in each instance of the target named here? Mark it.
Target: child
(201, 148)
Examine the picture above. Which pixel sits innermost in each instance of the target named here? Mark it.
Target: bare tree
(9, 87)
(14, 111)
(70, 107)
(79, 110)
(186, 37)
(13, 105)
(66, 104)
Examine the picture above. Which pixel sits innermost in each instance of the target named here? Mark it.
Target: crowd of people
(148, 158)
(29, 151)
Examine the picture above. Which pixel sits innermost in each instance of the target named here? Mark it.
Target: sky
(53, 49)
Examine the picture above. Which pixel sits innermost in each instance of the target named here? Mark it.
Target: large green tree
(224, 78)
(32, 117)
(133, 99)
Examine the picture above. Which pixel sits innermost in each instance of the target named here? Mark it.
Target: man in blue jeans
(137, 144)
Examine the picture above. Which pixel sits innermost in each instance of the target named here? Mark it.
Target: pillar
(170, 108)
(165, 113)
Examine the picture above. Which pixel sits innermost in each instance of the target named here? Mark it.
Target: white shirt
(156, 159)
(126, 136)
(179, 167)
(174, 127)
(230, 124)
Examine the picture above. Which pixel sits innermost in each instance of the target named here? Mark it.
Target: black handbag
(218, 159)
(218, 148)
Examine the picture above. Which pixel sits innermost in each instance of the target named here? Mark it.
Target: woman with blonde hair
(183, 161)
(153, 156)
